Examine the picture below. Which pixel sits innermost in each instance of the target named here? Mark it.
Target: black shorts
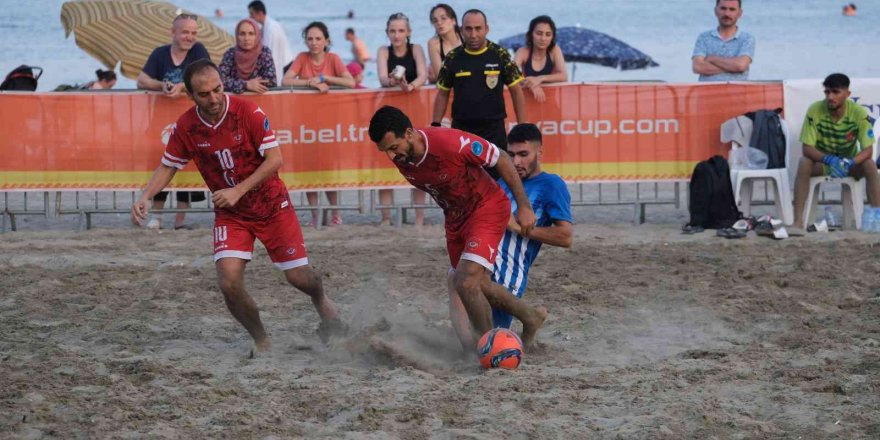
(182, 196)
(493, 130)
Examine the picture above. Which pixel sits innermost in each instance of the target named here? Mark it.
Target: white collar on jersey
(225, 112)
(426, 147)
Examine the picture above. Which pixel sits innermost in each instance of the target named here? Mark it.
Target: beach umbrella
(126, 31)
(588, 46)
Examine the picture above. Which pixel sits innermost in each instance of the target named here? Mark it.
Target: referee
(478, 71)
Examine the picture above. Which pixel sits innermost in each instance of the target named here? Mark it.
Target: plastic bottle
(869, 219)
(875, 218)
(830, 218)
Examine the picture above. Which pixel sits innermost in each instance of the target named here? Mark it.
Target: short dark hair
(474, 11)
(836, 81)
(525, 132)
(349, 31)
(738, 1)
(533, 24)
(387, 119)
(105, 75)
(258, 6)
(196, 68)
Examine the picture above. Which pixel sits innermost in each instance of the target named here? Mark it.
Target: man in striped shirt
(838, 141)
(551, 202)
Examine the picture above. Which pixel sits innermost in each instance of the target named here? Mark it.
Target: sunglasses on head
(187, 17)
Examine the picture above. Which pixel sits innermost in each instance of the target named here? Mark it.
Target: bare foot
(329, 328)
(531, 326)
(260, 347)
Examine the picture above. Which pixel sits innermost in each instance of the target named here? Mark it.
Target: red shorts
(478, 238)
(281, 234)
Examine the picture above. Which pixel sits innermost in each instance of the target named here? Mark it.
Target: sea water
(795, 38)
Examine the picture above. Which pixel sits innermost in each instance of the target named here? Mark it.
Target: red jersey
(451, 171)
(227, 153)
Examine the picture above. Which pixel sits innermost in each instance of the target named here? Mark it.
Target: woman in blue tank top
(541, 60)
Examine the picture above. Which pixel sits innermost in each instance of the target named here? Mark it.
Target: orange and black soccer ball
(500, 348)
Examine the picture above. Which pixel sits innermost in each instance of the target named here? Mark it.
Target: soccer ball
(500, 348)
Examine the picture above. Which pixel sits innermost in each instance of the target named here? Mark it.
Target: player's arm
(159, 180)
(228, 197)
(524, 214)
(730, 64)
(560, 234)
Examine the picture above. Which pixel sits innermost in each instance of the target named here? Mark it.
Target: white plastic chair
(852, 194)
(738, 131)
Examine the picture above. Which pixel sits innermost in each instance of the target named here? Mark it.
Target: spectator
(724, 53)
(319, 69)
(106, 80)
(274, 36)
(478, 104)
(448, 37)
(541, 61)
(357, 72)
(359, 51)
(164, 72)
(411, 57)
(838, 140)
(248, 65)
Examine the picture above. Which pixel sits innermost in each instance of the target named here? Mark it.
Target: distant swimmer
(850, 10)
(218, 13)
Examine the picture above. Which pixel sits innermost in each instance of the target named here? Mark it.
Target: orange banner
(592, 132)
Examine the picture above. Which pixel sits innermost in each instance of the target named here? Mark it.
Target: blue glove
(830, 160)
(839, 166)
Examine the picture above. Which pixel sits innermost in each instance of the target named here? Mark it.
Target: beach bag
(767, 136)
(711, 203)
(22, 78)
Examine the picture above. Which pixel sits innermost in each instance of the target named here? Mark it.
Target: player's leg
(230, 274)
(282, 236)
(868, 170)
(532, 318)
(467, 280)
(233, 248)
(806, 169)
(461, 324)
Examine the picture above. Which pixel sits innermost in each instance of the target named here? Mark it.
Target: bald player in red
(449, 165)
(232, 144)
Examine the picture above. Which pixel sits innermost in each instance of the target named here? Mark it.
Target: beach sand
(652, 334)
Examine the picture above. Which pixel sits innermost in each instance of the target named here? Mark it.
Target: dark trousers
(492, 130)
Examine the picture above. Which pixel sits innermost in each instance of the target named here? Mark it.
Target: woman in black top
(541, 61)
(448, 37)
(401, 52)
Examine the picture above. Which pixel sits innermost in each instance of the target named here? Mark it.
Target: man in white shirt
(274, 36)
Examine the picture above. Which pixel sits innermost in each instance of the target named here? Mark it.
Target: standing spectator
(106, 80)
(541, 61)
(164, 72)
(478, 72)
(838, 141)
(319, 68)
(274, 36)
(724, 53)
(448, 37)
(248, 65)
(401, 53)
(359, 51)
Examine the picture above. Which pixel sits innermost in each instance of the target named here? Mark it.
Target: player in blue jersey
(551, 203)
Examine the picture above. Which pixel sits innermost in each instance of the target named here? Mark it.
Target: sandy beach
(652, 334)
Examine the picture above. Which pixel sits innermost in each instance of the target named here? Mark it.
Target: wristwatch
(436, 124)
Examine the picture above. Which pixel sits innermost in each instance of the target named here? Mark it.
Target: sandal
(336, 221)
(730, 233)
(691, 229)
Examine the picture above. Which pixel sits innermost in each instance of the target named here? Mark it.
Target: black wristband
(435, 124)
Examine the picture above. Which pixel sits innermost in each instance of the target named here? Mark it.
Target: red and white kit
(475, 206)
(226, 153)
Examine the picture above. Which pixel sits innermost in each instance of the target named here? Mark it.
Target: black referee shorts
(492, 130)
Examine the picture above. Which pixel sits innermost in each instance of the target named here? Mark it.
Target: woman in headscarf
(248, 66)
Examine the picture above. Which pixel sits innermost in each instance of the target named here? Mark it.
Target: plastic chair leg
(745, 201)
(783, 200)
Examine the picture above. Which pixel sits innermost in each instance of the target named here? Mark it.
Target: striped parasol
(127, 31)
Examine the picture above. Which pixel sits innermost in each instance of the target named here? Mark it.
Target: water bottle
(875, 218)
(830, 219)
(869, 220)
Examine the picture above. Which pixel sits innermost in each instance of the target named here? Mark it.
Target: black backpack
(22, 78)
(711, 203)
